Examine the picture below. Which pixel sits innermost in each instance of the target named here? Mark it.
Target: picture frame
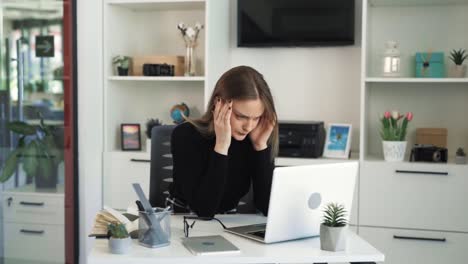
(130, 137)
(338, 141)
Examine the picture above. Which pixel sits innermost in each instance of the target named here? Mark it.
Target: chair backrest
(161, 164)
(161, 171)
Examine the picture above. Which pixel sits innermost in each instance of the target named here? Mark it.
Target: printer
(301, 139)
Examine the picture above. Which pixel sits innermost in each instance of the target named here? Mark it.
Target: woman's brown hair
(240, 83)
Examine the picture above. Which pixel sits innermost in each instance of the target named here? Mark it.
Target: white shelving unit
(416, 80)
(405, 199)
(417, 26)
(149, 28)
(157, 79)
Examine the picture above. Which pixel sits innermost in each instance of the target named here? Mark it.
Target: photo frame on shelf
(338, 141)
(130, 136)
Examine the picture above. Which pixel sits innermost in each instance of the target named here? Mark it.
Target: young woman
(216, 158)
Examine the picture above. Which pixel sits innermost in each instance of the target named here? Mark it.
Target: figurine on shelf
(190, 35)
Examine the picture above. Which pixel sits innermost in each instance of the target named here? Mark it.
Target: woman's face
(245, 117)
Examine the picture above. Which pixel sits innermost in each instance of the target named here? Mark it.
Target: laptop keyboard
(260, 233)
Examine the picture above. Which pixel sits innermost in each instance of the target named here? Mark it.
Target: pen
(140, 206)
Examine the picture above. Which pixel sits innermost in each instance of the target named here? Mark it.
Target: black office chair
(161, 164)
(161, 171)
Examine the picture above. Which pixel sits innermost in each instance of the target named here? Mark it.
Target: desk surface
(297, 251)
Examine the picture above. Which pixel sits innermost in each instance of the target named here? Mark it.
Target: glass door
(37, 164)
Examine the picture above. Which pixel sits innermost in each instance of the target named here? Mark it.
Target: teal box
(430, 65)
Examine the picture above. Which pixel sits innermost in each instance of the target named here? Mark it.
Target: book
(209, 245)
(109, 215)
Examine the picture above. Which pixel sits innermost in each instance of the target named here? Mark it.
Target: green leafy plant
(334, 215)
(460, 152)
(394, 125)
(458, 56)
(36, 148)
(117, 230)
(121, 61)
(150, 124)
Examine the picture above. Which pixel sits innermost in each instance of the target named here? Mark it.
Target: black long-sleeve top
(211, 183)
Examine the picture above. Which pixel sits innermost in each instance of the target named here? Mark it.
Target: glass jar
(391, 60)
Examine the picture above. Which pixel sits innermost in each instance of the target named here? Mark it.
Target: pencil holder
(154, 230)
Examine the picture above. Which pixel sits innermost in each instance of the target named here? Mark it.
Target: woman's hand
(260, 135)
(222, 125)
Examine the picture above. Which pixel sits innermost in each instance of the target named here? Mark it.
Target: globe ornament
(178, 112)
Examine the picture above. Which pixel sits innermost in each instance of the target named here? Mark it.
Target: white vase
(394, 150)
(457, 71)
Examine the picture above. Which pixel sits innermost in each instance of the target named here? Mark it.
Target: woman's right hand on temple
(222, 125)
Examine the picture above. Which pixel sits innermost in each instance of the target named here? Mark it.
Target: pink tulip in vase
(393, 133)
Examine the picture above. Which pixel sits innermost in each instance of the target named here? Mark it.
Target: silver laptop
(297, 200)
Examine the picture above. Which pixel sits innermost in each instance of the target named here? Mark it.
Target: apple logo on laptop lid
(315, 200)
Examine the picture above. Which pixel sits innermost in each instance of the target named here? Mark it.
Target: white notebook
(209, 245)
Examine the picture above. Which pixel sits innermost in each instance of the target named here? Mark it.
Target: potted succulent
(150, 123)
(39, 151)
(122, 63)
(460, 156)
(393, 133)
(119, 241)
(333, 228)
(458, 70)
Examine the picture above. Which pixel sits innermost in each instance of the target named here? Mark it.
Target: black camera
(429, 153)
(158, 69)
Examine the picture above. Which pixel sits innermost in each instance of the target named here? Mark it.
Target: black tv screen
(295, 23)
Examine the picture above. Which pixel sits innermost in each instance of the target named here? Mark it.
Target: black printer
(301, 139)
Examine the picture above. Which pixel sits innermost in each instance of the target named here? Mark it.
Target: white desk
(298, 251)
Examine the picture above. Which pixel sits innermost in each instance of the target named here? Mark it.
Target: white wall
(307, 83)
(90, 113)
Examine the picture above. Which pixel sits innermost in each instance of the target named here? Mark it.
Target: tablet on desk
(209, 245)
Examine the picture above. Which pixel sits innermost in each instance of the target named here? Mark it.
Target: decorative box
(430, 65)
(432, 136)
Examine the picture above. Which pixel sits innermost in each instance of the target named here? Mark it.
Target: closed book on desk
(209, 245)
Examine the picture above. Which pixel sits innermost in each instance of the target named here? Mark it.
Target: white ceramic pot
(457, 71)
(120, 245)
(332, 238)
(460, 159)
(394, 150)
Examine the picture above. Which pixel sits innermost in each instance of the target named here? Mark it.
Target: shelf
(286, 161)
(383, 3)
(159, 5)
(377, 158)
(156, 79)
(415, 80)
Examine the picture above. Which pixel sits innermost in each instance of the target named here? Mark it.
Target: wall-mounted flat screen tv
(295, 23)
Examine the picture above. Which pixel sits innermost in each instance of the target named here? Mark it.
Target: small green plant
(150, 124)
(117, 230)
(460, 152)
(458, 56)
(37, 149)
(121, 61)
(394, 126)
(334, 215)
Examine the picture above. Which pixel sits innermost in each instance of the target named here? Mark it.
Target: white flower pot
(460, 159)
(457, 71)
(394, 150)
(120, 245)
(332, 238)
